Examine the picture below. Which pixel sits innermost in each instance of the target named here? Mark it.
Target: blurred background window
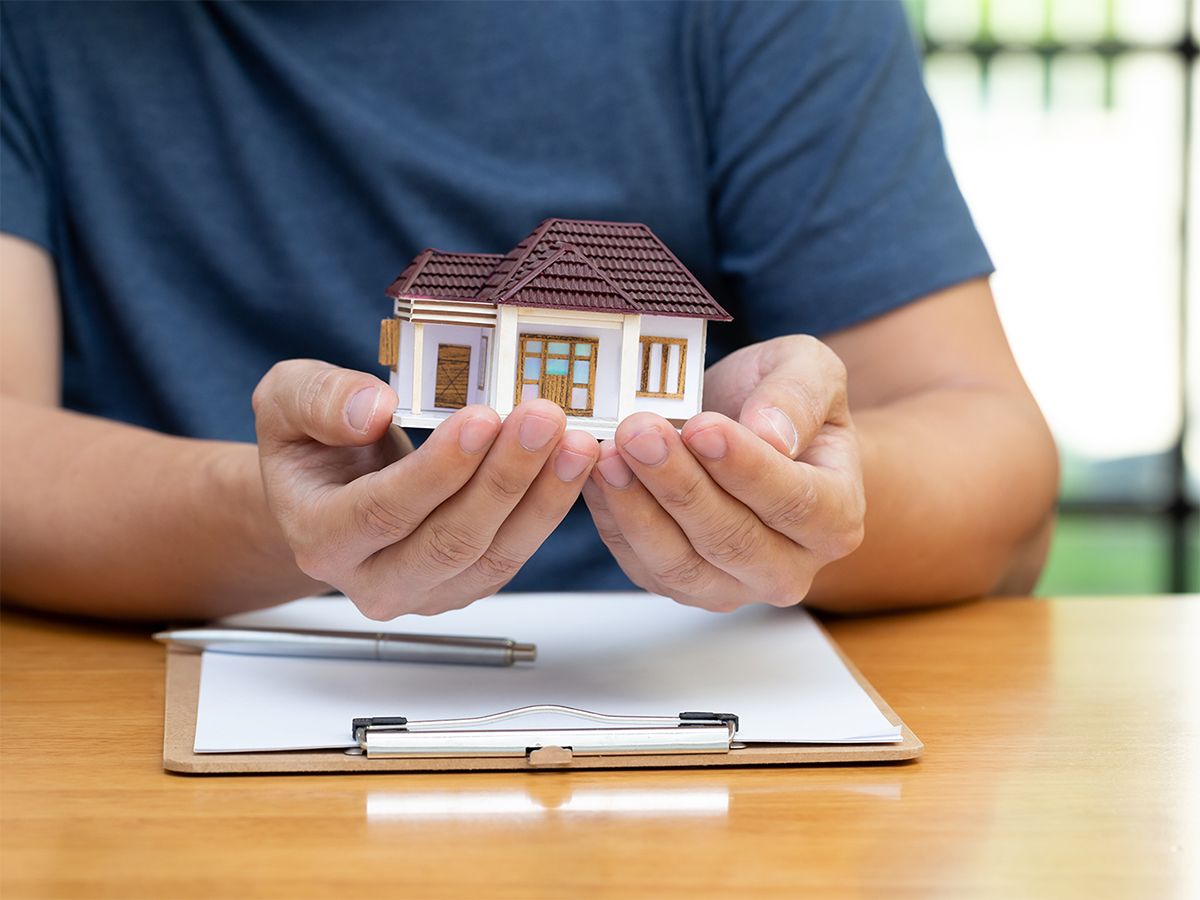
(1069, 124)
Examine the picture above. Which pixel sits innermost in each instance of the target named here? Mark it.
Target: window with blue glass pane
(584, 350)
(582, 370)
(533, 346)
(556, 347)
(533, 367)
(556, 367)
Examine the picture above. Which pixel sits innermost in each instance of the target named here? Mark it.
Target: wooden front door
(560, 369)
(453, 370)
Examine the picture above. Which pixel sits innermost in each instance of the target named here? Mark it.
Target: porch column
(504, 377)
(418, 350)
(631, 333)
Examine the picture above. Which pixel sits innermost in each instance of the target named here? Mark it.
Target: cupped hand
(401, 530)
(753, 497)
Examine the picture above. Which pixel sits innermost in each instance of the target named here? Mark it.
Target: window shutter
(389, 342)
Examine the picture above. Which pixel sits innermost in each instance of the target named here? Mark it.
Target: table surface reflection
(1062, 758)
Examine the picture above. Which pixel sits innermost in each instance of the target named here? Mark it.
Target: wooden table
(1062, 760)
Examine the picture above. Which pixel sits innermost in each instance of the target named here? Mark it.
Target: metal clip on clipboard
(689, 732)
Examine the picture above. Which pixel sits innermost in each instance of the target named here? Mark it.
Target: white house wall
(694, 331)
(401, 378)
(606, 329)
(464, 335)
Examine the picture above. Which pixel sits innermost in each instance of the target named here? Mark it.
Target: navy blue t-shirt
(224, 186)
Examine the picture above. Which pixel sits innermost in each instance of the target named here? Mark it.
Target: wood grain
(452, 376)
(1062, 759)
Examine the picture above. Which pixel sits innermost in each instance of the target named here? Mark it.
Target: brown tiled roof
(567, 264)
(627, 254)
(445, 276)
(564, 278)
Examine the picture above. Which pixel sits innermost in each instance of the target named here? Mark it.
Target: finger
(803, 389)
(821, 509)
(456, 534)
(538, 513)
(335, 529)
(613, 538)
(721, 529)
(660, 543)
(302, 400)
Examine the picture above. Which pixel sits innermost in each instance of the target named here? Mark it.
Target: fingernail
(536, 432)
(362, 408)
(475, 434)
(570, 465)
(782, 426)
(614, 470)
(647, 447)
(709, 443)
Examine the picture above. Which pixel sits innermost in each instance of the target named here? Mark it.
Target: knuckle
(791, 585)
(449, 546)
(310, 555)
(313, 397)
(739, 544)
(685, 497)
(376, 607)
(312, 565)
(790, 588)
(498, 565)
(843, 542)
(503, 486)
(614, 539)
(794, 508)
(723, 604)
(810, 407)
(380, 518)
(688, 573)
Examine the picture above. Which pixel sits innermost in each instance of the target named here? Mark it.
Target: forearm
(101, 518)
(960, 487)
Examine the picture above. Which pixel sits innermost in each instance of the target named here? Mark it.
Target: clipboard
(694, 741)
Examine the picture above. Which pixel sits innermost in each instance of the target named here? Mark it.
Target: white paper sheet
(618, 653)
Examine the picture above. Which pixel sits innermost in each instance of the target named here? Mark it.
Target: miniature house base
(596, 317)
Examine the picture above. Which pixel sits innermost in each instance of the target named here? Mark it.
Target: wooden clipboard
(179, 732)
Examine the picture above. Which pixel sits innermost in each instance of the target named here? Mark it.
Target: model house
(598, 317)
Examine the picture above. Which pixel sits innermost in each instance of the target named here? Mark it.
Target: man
(194, 193)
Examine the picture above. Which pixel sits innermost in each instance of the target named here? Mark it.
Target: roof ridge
(412, 271)
(531, 240)
(564, 250)
(462, 253)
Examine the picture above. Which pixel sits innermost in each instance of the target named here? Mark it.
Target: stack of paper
(617, 653)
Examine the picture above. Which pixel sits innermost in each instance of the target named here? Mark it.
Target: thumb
(308, 400)
(802, 387)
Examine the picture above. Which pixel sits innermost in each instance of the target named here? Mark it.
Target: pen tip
(524, 652)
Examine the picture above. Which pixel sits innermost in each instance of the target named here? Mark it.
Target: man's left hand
(753, 497)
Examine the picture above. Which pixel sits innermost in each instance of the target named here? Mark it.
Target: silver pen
(471, 651)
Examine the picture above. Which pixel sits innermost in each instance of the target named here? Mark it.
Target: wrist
(235, 492)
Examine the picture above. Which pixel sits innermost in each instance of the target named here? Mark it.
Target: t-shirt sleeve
(831, 191)
(25, 175)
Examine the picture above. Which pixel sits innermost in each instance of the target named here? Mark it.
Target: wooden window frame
(681, 381)
(570, 357)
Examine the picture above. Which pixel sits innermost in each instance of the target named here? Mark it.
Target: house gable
(565, 278)
(628, 254)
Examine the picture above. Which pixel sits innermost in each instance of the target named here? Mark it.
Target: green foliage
(1108, 555)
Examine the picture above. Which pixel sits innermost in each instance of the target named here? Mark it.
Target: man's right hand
(401, 530)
